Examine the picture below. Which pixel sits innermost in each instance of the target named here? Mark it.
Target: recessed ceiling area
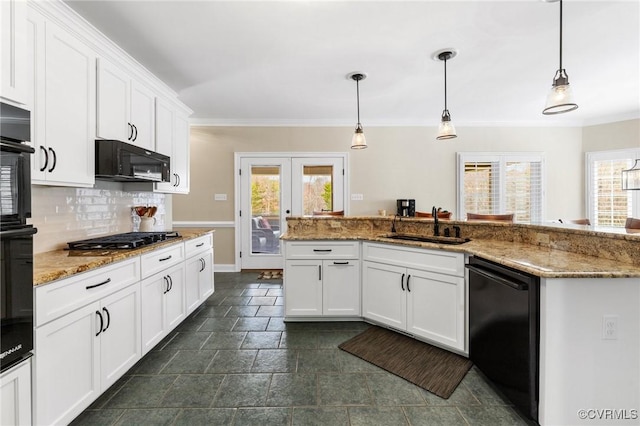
(285, 62)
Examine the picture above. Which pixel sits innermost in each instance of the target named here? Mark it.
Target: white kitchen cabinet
(126, 108)
(322, 279)
(62, 76)
(15, 395)
(172, 139)
(87, 336)
(13, 21)
(400, 289)
(163, 305)
(199, 282)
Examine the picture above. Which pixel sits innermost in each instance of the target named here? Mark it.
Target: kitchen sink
(426, 239)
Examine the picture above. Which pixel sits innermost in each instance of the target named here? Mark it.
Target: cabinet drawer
(198, 245)
(158, 260)
(61, 297)
(322, 249)
(440, 261)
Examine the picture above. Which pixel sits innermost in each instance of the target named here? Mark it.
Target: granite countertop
(537, 260)
(54, 265)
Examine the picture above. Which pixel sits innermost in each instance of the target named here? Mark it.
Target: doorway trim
(238, 156)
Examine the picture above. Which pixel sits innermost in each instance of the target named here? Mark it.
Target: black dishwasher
(504, 327)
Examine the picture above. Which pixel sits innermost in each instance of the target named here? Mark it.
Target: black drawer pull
(340, 263)
(402, 282)
(164, 258)
(322, 250)
(199, 245)
(99, 284)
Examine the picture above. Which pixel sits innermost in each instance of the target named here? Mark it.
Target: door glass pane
(612, 204)
(480, 195)
(317, 189)
(265, 209)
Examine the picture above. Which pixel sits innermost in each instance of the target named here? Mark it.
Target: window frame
(502, 158)
(613, 154)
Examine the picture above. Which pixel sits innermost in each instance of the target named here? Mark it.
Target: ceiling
(286, 62)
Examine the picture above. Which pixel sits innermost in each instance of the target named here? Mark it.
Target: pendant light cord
(560, 34)
(445, 83)
(358, 97)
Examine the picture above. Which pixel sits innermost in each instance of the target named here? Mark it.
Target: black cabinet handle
(199, 245)
(164, 258)
(108, 280)
(402, 282)
(46, 158)
(166, 288)
(340, 263)
(170, 282)
(319, 272)
(322, 250)
(408, 278)
(101, 323)
(136, 130)
(108, 319)
(179, 180)
(204, 265)
(55, 160)
(130, 135)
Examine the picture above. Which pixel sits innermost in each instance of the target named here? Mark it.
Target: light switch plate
(220, 197)
(357, 197)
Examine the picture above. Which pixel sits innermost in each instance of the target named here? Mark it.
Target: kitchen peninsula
(586, 275)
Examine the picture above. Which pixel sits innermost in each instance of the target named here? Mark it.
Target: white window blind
(607, 203)
(498, 183)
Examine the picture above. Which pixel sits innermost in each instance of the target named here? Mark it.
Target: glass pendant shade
(560, 97)
(631, 178)
(358, 141)
(446, 129)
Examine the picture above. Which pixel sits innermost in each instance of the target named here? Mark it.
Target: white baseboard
(218, 267)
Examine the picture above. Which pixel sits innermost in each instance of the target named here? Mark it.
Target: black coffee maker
(406, 207)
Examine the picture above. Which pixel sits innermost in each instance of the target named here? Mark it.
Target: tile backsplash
(64, 214)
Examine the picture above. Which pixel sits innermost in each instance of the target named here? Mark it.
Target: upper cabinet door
(13, 23)
(113, 96)
(143, 116)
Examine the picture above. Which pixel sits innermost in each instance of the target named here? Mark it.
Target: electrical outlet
(610, 327)
(220, 197)
(357, 197)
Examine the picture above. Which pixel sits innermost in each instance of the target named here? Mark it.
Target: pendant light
(446, 129)
(560, 97)
(631, 177)
(358, 141)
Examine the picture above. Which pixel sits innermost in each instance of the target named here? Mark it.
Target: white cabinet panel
(341, 288)
(143, 116)
(383, 299)
(303, 288)
(199, 279)
(113, 102)
(15, 395)
(13, 21)
(172, 139)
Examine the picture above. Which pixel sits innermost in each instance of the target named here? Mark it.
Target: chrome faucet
(436, 225)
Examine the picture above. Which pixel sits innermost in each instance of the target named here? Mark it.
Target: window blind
(610, 204)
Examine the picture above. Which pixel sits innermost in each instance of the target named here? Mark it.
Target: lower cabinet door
(153, 322)
(175, 306)
(66, 366)
(384, 294)
(341, 288)
(303, 288)
(193, 266)
(436, 307)
(15, 395)
(120, 342)
(206, 276)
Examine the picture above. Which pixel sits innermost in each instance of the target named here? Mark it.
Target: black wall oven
(16, 237)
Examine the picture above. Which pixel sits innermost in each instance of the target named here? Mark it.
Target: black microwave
(123, 162)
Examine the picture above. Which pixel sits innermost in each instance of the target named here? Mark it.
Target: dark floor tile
(272, 284)
(460, 396)
(243, 390)
(232, 291)
(97, 417)
(215, 300)
(193, 323)
(262, 340)
(267, 301)
(192, 340)
(205, 417)
(254, 292)
(243, 311)
(275, 361)
(331, 339)
(197, 390)
(232, 361)
(482, 390)
(293, 390)
(495, 416)
(275, 292)
(299, 339)
(276, 324)
(153, 362)
(251, 324)
(310, 360)
(434, 416)
(156, 416)
(263, 416)
(110, 392)
(225, 340)
(376, 416)
(343, 389)
(236, 300)
(212, 312)
(270, 311)
(142, 392)
(189, 362)
(389, 389)
(352, 364)
(320, 416)
(279, 301)
(218, 324)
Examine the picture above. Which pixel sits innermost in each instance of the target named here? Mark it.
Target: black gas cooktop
(129, 240)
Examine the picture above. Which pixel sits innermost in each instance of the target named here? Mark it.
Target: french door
(271, 187)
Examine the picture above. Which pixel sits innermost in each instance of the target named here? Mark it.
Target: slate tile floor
(235, 362)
